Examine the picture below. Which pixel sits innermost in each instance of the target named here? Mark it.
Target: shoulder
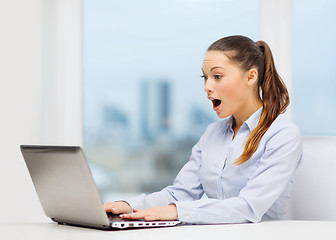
(283, 131)
(281, 145)
(282, 124)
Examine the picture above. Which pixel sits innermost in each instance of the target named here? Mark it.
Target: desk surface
(282, 230)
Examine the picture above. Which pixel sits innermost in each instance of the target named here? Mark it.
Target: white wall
(40, 92)
(276, 30)
(20, 76)
(61, 99)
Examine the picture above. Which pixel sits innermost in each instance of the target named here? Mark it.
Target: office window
(314, 61)
(144, 103)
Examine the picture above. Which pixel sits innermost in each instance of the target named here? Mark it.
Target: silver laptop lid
(64, 185)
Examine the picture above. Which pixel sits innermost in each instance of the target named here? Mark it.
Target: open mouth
(216, 102)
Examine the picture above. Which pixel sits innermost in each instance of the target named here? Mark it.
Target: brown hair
(248, 54)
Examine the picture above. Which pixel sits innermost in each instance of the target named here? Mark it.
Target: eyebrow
(214, 68)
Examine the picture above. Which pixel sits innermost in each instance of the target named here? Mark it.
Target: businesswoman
(245, 162)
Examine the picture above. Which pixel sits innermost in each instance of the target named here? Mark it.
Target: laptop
(67, 191)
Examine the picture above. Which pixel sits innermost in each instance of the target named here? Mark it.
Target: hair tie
(260, 46)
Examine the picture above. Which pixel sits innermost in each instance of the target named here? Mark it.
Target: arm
(275, 169)
(187, 185)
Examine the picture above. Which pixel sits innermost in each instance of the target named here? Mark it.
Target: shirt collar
(251, 122)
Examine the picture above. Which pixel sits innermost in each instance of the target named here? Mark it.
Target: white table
(282, 230)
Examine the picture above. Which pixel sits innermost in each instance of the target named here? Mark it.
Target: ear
(252, 76)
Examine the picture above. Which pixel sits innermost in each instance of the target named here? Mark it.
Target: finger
(117, 207)
(129, 216)
(125, 216)
(112, 209)
(115, 211)
(151, 218)
(137, 215)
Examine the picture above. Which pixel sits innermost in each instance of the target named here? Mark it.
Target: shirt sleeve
(275, 168)
(186, 186)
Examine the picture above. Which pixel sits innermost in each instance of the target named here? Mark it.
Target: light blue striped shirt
(254, 191)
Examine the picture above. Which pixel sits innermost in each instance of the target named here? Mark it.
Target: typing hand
(151, 214)
(117, 207)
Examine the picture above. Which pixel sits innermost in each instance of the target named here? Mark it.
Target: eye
(217, 76)
(204, 77)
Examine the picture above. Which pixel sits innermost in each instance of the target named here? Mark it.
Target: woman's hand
(117, 207)
(151, 214)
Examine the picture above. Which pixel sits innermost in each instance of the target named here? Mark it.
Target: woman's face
(225, 84)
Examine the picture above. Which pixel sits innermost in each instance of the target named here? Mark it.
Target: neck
(242, 115)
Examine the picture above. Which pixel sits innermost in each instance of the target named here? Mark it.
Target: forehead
(217, 58)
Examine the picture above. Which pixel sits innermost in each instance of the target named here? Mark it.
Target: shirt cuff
(186, 211)
(135, 202)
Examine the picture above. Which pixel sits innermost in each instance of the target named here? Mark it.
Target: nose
(208, 88)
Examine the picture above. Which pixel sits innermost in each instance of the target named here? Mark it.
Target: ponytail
(274, 93)
(275, 100)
